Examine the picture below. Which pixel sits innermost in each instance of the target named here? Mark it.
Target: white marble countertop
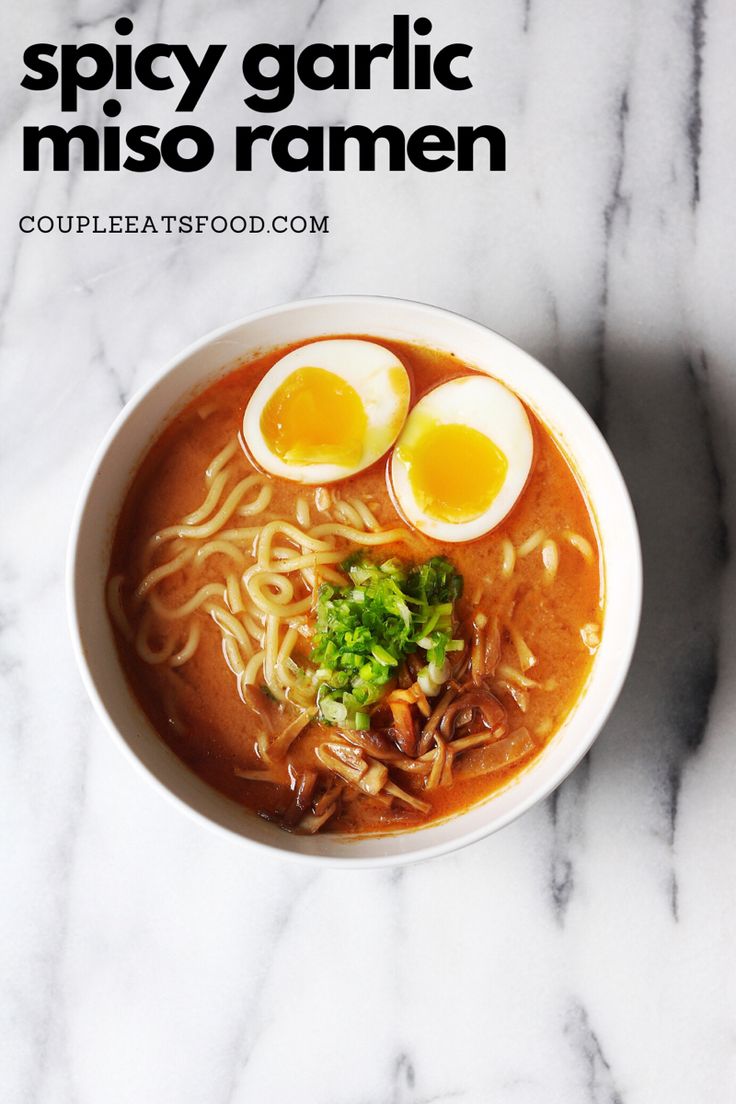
(584, 955)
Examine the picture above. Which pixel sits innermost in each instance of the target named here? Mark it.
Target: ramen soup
(356, 586)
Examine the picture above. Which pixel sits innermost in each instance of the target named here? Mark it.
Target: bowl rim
(421, 853)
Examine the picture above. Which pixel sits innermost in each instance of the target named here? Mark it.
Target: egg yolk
(455, 472)
(315, 417)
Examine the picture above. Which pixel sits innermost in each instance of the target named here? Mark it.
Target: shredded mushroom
(526, 656)
(496, 756)
(475, 703)
(367, 774)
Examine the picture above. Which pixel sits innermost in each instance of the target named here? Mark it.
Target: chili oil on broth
(196, 707)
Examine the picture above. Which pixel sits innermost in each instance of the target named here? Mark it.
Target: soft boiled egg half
(327, 410)
(463, 459)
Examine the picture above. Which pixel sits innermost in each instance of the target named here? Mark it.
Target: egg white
(379, 378)
(490, 408)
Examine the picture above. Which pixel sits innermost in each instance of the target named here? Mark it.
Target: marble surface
(584, 955)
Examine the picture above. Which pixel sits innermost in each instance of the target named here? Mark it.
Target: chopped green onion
(426, 684)
(334, 712)
(364, 631)
(383, 656)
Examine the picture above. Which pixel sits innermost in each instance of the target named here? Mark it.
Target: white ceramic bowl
(199, 365)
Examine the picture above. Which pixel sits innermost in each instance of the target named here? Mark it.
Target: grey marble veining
(584, 955)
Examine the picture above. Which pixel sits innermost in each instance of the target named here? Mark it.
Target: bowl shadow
(655, 408)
